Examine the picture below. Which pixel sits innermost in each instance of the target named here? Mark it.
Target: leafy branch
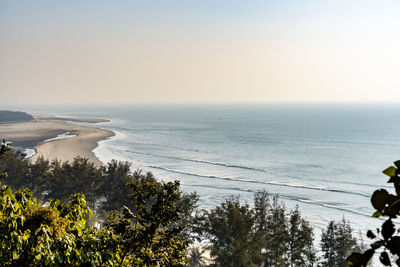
(386, 205)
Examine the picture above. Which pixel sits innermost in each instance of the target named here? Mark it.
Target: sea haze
(325, 158)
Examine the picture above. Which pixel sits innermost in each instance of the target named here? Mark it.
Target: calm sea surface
(325, 158)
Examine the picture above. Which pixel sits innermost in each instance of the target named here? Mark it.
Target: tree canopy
(149, 232)
(14, 116)
(385, 240)
(77, 214)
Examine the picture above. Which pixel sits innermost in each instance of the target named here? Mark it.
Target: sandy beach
(34, 134)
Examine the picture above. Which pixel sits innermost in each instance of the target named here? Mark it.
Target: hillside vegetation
(76, 214)
(14, 116)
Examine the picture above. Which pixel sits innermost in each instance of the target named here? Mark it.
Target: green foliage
(14, 164)
(337, 242)
(283, 239)
(263, 236)
(151, 223)
(278, 234)
(36, 235)
(386, 205)
(148, 235)
(58, 235)
(196, 258)
(229, 229)
(3, 149)
(116, 175)
(301, 251)
(80, 175)
(14, 116)
(150, 230)
(105, 187)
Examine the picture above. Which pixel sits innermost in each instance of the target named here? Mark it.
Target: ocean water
(325, 158)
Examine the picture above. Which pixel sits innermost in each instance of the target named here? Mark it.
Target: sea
(325, 158)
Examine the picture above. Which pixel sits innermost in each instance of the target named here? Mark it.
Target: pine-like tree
(262, 208)
(300, 241)
(277, 234)
(229, 227)
(337, 242)
(196, 257)
(328, 245)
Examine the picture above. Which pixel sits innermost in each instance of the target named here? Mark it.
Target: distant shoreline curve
(41, 135)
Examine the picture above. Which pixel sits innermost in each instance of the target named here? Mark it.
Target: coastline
(43, 133)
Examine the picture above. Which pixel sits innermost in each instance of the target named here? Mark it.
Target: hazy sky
(199, 51)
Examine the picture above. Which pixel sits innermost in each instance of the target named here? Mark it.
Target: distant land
(64, 118)
(14, 116)
(51, 136)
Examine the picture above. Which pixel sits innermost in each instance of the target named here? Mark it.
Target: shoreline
(43, 133)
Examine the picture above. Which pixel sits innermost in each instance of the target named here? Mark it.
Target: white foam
(29, 152)
(61, 136)
(103, 152)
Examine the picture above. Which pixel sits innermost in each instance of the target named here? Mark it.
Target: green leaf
(390, 171)
(397, 163)
(384, 258)
(377, 244)
(370, 234)
(379, 199)
(367, 256)
(394, 179)
(376, 214)
(388, 229)
(355, 259)
(394, 245)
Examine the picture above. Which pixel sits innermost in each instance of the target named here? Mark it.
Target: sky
(195, 51)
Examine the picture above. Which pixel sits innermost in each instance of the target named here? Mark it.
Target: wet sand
(34, 133)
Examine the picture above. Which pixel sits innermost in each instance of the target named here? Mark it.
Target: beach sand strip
(34, 133)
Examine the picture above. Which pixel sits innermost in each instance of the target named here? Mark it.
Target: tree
(229, 228)
(386, 205)
(58, 234)
(263, 236)
(337, 242)
(328, 245)
(345, 242)
(4, 147)
(105, 187)
(38, 176)
(277, 234)
(300, 242)
(187, 215)
(15, 164)
(196, 258)
(79, 176)
(262, 209)
(36, 235)
(115, 176)
(271, 230)
(147, 235)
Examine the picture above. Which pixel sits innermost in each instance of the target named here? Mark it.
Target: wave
(343, 182)
(262, 182)
(120, 135)
(166, 146)
(30, 152)
(240, 166)
(102, 152)
(201, 161)
(228, 165)
(289, 197)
